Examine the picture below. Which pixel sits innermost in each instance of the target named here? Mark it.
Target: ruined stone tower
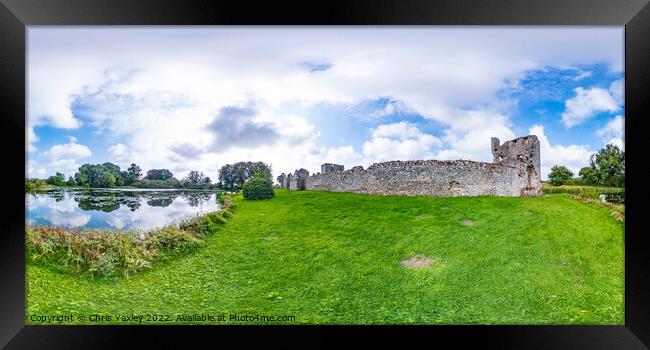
(523, 154)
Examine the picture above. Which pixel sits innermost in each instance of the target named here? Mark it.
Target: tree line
(606, 168)
(107, 175)
(231, 177)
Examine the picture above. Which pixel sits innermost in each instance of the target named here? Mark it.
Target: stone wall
(514, 172)
(297, 180)
(329, 167)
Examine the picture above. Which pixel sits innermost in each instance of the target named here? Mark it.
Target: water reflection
(116, 209)
(613, 197)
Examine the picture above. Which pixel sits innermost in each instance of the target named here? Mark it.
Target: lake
(133, 209)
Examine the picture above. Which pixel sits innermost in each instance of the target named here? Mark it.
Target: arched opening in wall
(454, 188)
(301, 184)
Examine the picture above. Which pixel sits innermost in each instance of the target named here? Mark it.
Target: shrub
(258, 188)
(220, 197)
(216, 218)
(228, 204)
(559, 175)
(197, 226)
(171, 240)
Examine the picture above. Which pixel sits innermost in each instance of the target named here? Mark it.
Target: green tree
(56, 180)
(588, 175)
(608, 164)
(559, 175)
(70, 181)
(194, 177)
(169, 183)
(159, 174)
(227, 177)
(233, 176)
(98, 175)
(133, 174)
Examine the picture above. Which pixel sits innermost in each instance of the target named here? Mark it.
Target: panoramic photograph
(267, 175)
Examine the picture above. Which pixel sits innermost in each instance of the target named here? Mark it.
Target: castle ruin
(515, 171)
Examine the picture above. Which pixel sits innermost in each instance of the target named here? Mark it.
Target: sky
(197, 98)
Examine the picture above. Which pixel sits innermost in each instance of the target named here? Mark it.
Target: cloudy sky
(201, 97)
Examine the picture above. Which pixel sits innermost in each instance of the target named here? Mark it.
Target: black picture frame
(15, 15)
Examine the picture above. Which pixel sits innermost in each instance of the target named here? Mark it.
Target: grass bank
(590, 194)
(336, 258)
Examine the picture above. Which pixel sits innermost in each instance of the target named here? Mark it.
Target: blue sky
(187, 98)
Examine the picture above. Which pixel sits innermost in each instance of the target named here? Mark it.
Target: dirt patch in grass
(418, 261)
(468, 222)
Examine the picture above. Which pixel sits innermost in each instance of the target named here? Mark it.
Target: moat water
(136, 209)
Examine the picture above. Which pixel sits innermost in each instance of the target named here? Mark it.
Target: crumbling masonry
(515, 171)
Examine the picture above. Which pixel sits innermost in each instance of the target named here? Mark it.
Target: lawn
(335, 258)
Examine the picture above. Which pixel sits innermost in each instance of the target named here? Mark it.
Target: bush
(258, 188)
(221, 196)
(196, 226)
(216, 218)
(559, 175)
(170, 240)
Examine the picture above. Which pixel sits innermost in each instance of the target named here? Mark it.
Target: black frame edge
(637, 255)
(12, 99)
(635, 15)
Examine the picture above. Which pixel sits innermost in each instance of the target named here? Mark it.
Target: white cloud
(613, 128)
(30, 139)
(34, 170)
(71, 150)
(586, 103)
(617, 142)
(66, 218)
(63, 157)
(399, 141)
(616, 88)
(472, 140)
(66, 166)
(573, 157)
(122, 155)
(345, 155)
(402, 130)
(581, 75)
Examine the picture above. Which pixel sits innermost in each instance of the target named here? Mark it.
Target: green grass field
(335, 258)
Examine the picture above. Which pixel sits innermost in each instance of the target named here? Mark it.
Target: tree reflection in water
(116, 209)
(196, 198)
(108, 201)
